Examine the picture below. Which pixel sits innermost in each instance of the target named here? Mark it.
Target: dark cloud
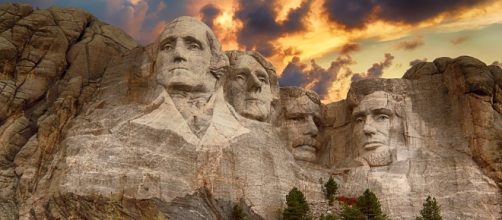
(356, 13)
(290, 51)
(414, 11)
(415, 61)
(351, 14)
(316, 77)
(294, 73)
(410, 44)
(260, 27)
(320, 80)
(209, 13)
(376, 70)
(349, 48)
(459, 40)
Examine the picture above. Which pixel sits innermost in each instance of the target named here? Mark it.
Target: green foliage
(352, 213)
(238, 213)
(297, 206)
(431, 210)
(369, 205)
(331, 188)
(328, 217)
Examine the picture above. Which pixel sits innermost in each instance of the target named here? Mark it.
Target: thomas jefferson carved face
(248, 88)
(184, 57)
(372, 126)
(301, 124)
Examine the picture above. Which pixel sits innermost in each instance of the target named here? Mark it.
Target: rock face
(444, 130)
(93, 126)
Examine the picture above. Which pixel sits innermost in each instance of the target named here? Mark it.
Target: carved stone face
(372, 126)
(248, 88)
(184, 58)
(302, 118)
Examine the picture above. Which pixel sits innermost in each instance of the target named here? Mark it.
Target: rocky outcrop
(51, 62)
(446, 141)
(94, 126)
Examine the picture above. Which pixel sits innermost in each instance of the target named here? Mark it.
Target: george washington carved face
(187, 50)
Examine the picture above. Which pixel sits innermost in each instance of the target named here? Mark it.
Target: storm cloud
(315, 77)
(357, 13)
(209, 12)
(376, 70)
(260, 28)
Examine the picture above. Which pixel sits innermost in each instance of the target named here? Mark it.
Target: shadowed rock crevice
(197, 206)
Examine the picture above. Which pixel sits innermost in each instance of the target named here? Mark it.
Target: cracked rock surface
(86, 133)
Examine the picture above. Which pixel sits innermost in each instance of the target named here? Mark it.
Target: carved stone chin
(378, 157)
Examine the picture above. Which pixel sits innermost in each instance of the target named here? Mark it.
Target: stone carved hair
(362, 88)
(291, 92)
(295, 92)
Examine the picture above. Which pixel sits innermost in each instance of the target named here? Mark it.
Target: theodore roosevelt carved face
(251, 86)
(373, 123)
(301, 122)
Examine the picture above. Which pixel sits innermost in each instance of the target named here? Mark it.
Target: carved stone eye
(193, 46)
(240, 76)
(382, 117)
(263, 80)
(359, 119)
(167, 46)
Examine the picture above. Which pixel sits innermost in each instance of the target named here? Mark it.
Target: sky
(322, 45)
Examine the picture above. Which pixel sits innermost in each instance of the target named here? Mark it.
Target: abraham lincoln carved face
(374, 119)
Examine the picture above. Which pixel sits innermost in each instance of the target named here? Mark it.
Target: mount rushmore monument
(95, 126)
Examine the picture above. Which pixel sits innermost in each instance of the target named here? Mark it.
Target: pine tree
(331, 188)
(328, 217)
(370, 206)
(297, 206)
(352, 213)
(431, 210)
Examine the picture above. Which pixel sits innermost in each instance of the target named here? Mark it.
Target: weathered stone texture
(94, 126)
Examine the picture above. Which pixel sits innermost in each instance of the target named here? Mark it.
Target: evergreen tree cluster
(367, 207)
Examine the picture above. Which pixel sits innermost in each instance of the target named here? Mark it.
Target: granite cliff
(94, 126)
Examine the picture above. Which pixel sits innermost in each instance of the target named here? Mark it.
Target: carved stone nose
(253, 83)
(368, 128)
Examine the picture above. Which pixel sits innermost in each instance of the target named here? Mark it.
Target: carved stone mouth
(178, 68)
(306, 142)
(372, 145)
(306, 148)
